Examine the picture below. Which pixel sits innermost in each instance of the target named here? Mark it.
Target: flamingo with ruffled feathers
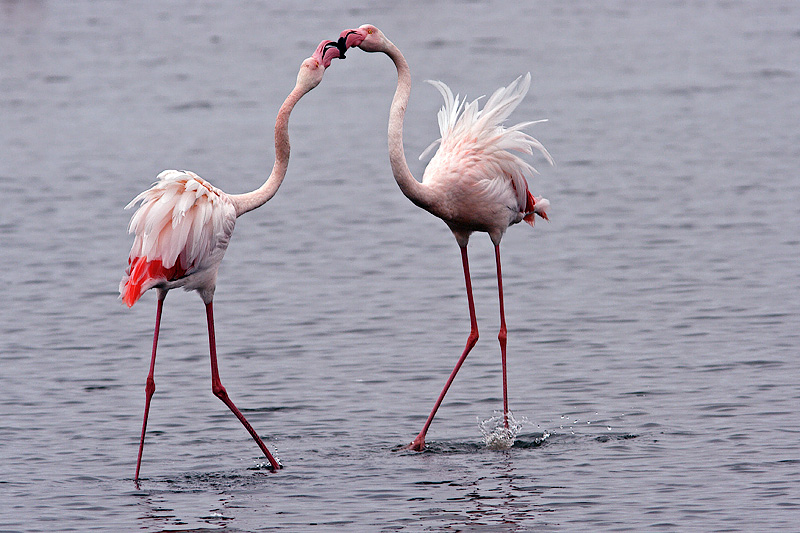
(474, 182)
(182, 229)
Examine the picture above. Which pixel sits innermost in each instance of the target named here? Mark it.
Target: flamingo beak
(341, 45)
(326, 52)
(351, 38)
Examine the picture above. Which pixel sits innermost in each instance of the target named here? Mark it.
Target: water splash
(496, 435)
(575, 425)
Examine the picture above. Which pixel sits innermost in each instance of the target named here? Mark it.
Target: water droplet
(496, 435)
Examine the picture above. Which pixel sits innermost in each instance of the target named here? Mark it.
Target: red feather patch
(142, 272)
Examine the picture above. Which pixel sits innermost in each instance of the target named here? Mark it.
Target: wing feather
(466, 129)
(182, 226)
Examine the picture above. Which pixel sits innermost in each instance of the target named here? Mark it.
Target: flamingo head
(313, 68)
(367, 37)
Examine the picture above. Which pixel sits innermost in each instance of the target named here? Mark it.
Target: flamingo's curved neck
(252, 200)
(414, 190)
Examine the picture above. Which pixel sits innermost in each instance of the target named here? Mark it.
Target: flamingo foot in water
(417, 445)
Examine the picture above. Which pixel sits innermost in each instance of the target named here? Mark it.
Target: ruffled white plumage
(465, 129)
(182, 219)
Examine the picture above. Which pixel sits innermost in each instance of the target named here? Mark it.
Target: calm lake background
(653, 323)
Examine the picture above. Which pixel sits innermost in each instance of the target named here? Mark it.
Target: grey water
(653, 322)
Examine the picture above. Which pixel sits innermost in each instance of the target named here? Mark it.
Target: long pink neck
(414, 190)
(252, 200)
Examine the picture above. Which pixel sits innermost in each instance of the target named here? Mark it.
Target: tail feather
(460, 121)
(535, 206)
(143, 274)
(503, 102)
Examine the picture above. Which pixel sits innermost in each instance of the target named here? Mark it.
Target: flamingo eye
(369, 31)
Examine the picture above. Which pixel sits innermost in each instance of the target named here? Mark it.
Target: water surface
(652, 323)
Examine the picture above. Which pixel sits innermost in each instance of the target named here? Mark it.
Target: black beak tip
(341, 44)
(332, 44)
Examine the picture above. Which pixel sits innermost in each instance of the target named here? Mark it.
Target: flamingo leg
(418, 444)
(502, 336)
(150, 385)
(222, 394)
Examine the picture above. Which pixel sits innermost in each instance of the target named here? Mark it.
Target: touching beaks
(351, 38)
(326, 52)
(341, 44)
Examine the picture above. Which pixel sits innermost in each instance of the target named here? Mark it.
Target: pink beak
(351, 38)
(326, 52)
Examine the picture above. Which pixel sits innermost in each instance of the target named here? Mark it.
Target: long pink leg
(502, 335)
(222, 394)
(418, 444)
(150, 386)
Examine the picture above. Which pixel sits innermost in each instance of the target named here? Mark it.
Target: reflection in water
(513, 501)
(196, 501)
(497, 497)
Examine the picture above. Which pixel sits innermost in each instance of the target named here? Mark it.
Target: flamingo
(473, 182)
(182, 229)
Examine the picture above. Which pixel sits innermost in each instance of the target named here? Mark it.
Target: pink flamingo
(473, 182)
(184, 225)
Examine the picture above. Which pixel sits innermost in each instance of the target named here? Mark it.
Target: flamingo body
(474, 182)
(181, 231)
(182, 228)
(479, 180)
